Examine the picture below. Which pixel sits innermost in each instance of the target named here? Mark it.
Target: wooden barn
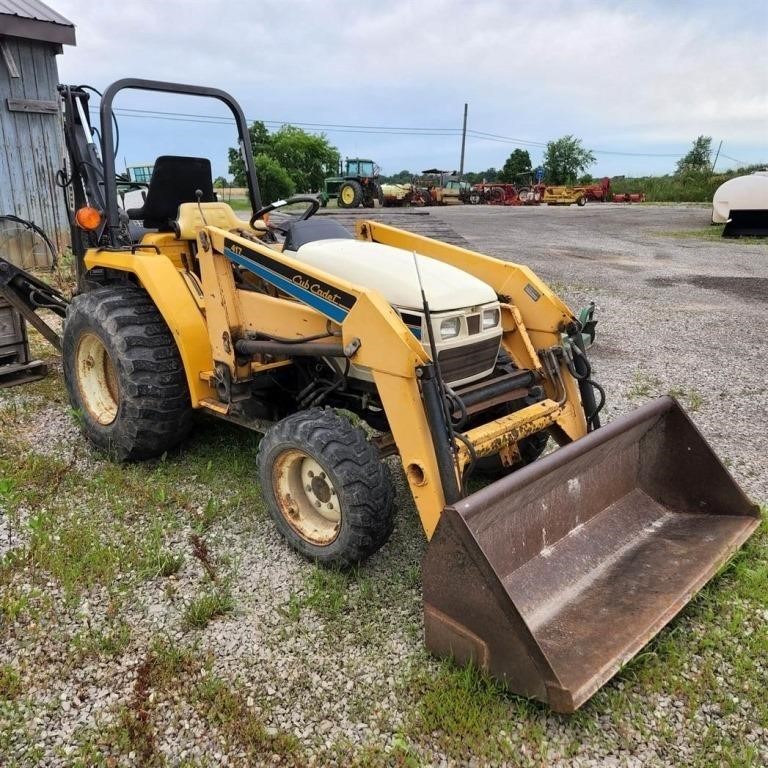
(32, 145)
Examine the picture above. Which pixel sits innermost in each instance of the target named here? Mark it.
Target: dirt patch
(754, 288)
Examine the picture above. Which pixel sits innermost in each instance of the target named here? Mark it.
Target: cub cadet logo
(316, 289)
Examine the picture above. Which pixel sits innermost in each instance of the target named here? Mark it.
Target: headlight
(490, 318)
(450, 327)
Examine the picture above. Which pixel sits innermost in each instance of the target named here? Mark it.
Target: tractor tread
(154, 411)
(360, 477)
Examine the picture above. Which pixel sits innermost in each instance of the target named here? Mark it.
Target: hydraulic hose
(34, 228)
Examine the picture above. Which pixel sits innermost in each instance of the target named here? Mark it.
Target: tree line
(291, 160)
(565, 159)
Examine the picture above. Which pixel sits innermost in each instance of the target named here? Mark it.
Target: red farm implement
(501, 193)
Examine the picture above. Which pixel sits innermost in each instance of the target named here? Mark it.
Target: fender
(181, 311)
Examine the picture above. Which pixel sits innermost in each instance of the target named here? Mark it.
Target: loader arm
(378, 340)
(534, 317)
(361, 315)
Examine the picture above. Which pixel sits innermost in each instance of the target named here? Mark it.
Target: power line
(506, 139)
(381, 130)
(539, 144)
(733, 159)
(331, 127)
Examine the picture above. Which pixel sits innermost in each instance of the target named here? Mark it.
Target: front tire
(326, 487)
(124, 374)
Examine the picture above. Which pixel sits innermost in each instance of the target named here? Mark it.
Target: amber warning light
(88, 218)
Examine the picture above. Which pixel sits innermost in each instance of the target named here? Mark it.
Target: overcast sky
(625, 77)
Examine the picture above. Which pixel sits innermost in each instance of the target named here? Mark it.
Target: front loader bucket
(555, 576)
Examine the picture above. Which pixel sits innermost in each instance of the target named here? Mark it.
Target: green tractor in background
(357, 185)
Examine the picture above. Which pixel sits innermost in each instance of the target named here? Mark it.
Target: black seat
(174, 181)
(302, 232)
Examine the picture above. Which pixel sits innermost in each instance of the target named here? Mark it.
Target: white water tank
(744, 193)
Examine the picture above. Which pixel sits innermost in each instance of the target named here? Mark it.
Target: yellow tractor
(550, 577)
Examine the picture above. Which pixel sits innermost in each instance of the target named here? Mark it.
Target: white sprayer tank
(744, 193)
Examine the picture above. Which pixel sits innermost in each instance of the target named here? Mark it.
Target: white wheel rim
(96, 379)
(306, 497)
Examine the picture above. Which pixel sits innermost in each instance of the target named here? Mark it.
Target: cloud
(644, 77)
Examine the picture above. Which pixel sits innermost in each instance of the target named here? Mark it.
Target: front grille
(473, 324)
(469, 360)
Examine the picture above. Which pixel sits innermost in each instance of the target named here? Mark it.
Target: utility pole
(717, 154)
(463, 143)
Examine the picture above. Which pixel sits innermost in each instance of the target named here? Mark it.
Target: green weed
(464, 710)
(111, 641)
(643, 385)
(207, 606)
(10, 682)
(691, 397)
(227, 710)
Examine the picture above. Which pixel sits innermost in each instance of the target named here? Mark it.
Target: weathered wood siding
(31, 152)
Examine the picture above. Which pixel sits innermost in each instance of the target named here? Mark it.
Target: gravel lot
(111, 671)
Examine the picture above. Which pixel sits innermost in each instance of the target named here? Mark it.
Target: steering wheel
(312, 208)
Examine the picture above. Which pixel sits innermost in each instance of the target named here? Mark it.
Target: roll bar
(108, 145)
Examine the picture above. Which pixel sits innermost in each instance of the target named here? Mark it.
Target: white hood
(391, 271)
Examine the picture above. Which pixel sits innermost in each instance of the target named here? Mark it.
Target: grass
(401, 754)
(226, 709)
(462, 710)
(328, 593)
(691, 397)
(712, 233)
(90, 524)
(203, 609)
(10, 682)
(689, 187)
(344, 601)
(643, 385)
(109, 641)
(78, 549)
(239, 204)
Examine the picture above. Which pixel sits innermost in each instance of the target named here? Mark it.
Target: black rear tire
(344, 516)
(350, 194)
(124, 374)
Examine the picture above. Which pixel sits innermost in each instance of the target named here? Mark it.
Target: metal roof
(34, 20)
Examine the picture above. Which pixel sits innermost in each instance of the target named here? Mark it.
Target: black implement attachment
(27, 295)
